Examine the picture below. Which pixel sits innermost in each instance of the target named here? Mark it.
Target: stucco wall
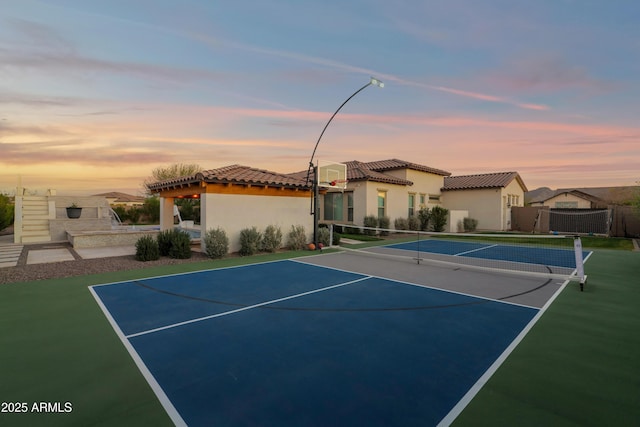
(566, 197)
(484, 205)
(233, 213)
(489, 206)
(365, 194)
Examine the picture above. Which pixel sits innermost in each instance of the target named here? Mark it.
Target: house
(390, 188)
(122, 199)
(237, 197)
(582, 198)
(487, 197)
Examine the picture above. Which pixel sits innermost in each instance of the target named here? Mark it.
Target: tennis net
(553, 256)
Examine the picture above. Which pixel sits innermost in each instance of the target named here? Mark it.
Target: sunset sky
(96, 94)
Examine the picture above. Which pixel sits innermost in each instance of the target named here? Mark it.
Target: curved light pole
(315, 210)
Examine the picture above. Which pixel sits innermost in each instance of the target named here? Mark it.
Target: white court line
(171, 410)
(420, 285)
(475, 250)
(475, 389)
(200, 319)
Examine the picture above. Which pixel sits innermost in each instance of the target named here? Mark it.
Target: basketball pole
(315, 209)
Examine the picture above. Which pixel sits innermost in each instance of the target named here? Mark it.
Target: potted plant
(74, 211)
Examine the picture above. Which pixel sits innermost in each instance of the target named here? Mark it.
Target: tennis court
(332, 339)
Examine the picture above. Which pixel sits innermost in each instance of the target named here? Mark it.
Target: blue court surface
(289, 343)
(553, 257)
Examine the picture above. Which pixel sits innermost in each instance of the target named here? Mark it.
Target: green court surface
(577, 366)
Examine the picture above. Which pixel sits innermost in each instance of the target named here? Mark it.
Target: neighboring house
(237, 197)
(392, 188)
(567, 199)
(122, 199)
(487, 197)
(582, 198)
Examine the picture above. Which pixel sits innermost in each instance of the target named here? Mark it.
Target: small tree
(122, 213)
(175, 170)
(424, 215)
(151, 209)
(438, 218)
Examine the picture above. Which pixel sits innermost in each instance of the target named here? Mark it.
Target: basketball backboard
(332, 175)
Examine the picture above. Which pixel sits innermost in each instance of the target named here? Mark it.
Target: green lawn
(577, 366)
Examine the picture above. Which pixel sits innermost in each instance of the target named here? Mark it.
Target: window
(434, 198)
(566, 205)
(333, 207)
(350, 207)
(423, 198)
(382, 203)
(412, 205)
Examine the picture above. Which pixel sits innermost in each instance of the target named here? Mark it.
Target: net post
(577, 248)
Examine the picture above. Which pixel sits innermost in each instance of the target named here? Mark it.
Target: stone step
(36, 239)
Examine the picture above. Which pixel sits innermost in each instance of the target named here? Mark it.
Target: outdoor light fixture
(315, 209)
(376, 82)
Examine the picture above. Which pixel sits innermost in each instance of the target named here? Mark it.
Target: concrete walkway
(11, 253)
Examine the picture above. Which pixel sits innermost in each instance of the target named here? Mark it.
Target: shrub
(147, 249)
(249, 241)
(336, 238)
(180, 245)
(401, 224)
(216, 243)
(351, 230)
(372, 222)
(414, 223)
(121, 212)
(297, 238)
(423, 216)
(151, 209)
(6, 212)
(272, 239)
(470, 224)
(438, 218)
(133, 214)
(323, 236)
(384, 223)
(164, 241)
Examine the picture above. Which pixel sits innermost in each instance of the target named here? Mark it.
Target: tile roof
(235, 174)
(121, 197)
(392, 164)
(358, 171)
(487, 180)
(611, 195)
